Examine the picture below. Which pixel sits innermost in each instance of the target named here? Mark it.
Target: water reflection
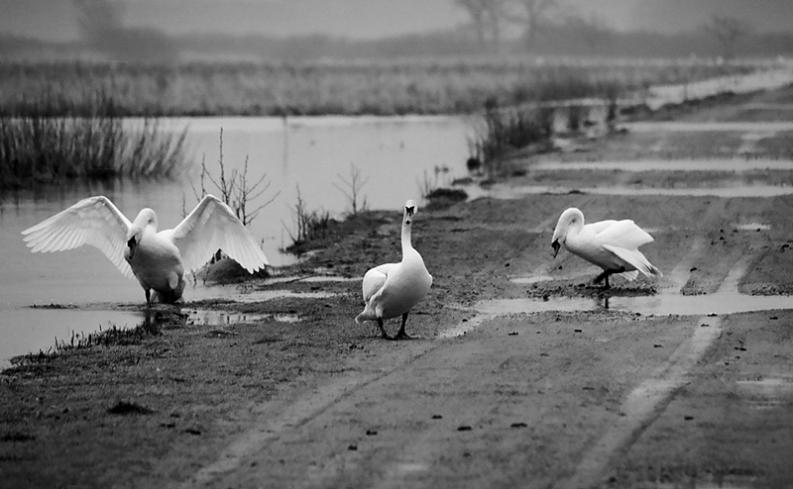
(665, 303)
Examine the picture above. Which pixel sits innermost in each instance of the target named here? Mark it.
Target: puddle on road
(668, 302)
(734, 165)
(505, 192)
(679, 126)
(752, 226)
(208, 317)
(534, 279)
(663, 304)
(767, 393)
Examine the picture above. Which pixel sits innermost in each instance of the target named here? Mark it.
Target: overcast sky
(55, 19)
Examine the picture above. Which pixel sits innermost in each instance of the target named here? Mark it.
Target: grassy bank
(449, 86)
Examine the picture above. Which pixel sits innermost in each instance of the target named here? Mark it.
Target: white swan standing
(612, 245)
(157, 259)
(394, 288)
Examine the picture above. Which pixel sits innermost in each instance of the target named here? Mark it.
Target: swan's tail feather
(367, 315)
(637, 259)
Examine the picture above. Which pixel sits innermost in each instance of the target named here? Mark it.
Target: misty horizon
(369, 19)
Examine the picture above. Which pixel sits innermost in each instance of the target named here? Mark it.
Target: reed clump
(503, 132)
(41, 148)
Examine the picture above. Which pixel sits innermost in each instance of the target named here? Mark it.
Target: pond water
(394, 154)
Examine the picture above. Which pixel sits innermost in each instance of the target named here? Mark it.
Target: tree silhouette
(727, 31)
(486, 18)
(532, 14)
(103, 29)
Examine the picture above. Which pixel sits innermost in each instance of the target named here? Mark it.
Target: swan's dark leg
(382, 329)
(148, 297)
(603, 276)
(401, 335)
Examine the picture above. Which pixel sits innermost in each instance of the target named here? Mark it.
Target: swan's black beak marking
(132, 245)
(555, 245)
(410, 210)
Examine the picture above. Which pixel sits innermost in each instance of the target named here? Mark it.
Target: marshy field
(441, 86)
(522, 371)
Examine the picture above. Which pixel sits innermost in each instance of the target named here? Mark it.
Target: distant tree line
(505, 27)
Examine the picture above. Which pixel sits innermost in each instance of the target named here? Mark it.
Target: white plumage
(612, 245)
(157, 259)
(393, 289)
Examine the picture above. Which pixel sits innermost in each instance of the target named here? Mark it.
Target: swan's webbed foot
(401, 335)
(382, 329)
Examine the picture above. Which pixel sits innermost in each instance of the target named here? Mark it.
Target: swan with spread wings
(158, 259)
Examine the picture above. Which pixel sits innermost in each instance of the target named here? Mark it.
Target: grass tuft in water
(38, 148)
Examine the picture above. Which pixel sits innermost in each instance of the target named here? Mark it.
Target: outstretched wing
(212, 225)
(625, 234)
(93, 221)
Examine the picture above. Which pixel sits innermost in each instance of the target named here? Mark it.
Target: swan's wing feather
(635, 258)
(212, 225)
(632, 275)
(597, 227)
(374, 279)
(624, 234)
(94, 221)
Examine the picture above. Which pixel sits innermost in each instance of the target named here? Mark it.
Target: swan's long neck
(407, 247)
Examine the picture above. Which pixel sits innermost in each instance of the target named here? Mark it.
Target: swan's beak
(555, 245)
(132, 245)
(410, 210)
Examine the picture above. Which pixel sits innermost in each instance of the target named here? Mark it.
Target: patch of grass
(440, 198)
(104, 337)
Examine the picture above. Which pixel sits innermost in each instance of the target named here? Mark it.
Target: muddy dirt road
(523, 375)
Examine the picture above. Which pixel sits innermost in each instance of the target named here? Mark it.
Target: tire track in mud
(650, 398)
(681, 273)
(275, 423)
(271, 420)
